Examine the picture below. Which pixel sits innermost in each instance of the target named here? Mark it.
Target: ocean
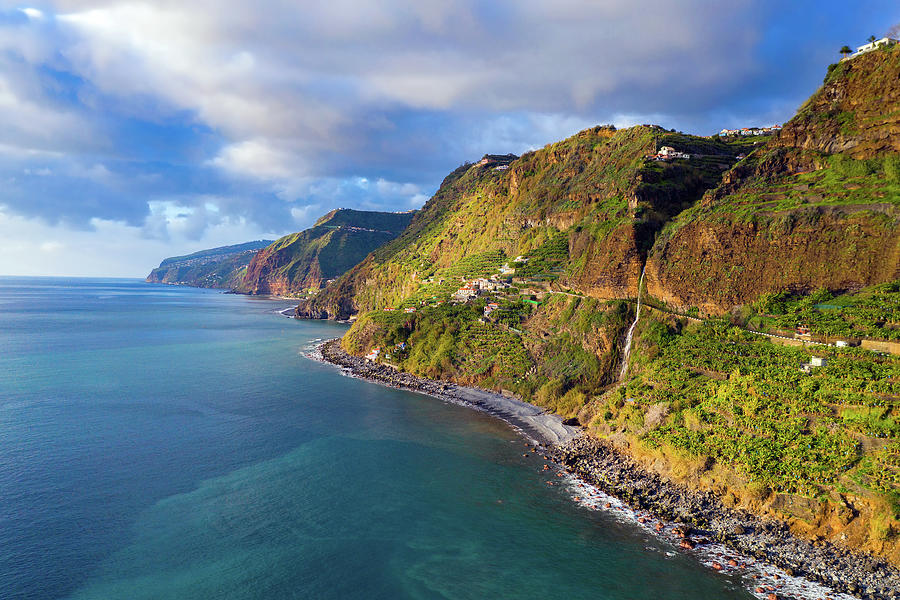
(170, 442)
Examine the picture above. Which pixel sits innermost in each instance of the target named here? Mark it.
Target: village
(502, 289)
(750, 131)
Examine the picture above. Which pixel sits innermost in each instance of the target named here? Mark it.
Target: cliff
(306, 260)
(584, 211)
(215, 268)
(519, 276)
(817, 207)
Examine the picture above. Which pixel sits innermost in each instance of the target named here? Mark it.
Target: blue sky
(131, 131)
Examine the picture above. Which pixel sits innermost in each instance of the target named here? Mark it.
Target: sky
(131, 131)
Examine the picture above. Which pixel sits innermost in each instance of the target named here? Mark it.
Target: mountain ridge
(221, 267)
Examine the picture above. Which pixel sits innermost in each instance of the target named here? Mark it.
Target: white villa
(668, 153)
(885, 41)
(465, 293)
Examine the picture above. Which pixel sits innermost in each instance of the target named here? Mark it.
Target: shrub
(891, 167)
(851, 167)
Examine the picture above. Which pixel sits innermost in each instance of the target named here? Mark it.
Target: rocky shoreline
(704, 519)
(536, 424)
(699, 517)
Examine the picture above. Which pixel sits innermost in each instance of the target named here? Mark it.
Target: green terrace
(842, 181)
(872, 313)
(739, 399)
(451, 341)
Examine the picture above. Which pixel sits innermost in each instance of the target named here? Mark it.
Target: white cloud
(32, 13)
(108, 249)
(50, 247)
(309, 80)
(29, 125)
(259, 159)
(304, 215)
(307, 106)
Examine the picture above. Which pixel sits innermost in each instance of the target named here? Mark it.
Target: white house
(885, 41)
(465, 293)
(667, 153)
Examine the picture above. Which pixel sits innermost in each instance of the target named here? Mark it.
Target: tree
(872, 39)
(845, 50)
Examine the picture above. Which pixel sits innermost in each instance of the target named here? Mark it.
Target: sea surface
(168, 442)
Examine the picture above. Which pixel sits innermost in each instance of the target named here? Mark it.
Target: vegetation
(307, 259)
(555, 354)
(742, 401)
(584, 214)
(872, 313)
(221, 267)
(553, 206)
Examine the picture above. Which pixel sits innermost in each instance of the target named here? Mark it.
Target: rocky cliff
(817, 207)
(518, 276)
(222, 267)
(584, 211)
(306, 260)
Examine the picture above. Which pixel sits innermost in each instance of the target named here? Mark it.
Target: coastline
(773, 563)
(540, 427)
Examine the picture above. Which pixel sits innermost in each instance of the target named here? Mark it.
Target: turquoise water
(167, 442)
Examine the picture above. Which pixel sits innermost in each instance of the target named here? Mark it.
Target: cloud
(108, 249)
(149, 114)
(32, 13)
(258, 159)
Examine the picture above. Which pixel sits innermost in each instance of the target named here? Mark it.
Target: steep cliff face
(558, 238)
(857, 111)
(222, 267)
(308, 259)
(818, 207)
(584, 209)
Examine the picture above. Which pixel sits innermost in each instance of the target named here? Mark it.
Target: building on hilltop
(750, 131)
(497, 160)
(885, 41)
(669, 153)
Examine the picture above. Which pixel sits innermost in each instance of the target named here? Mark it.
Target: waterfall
(630, 333)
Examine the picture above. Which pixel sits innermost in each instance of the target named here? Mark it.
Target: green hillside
(818, 207)
(594, 202)
(799, 238)
(306, 260)
(222, 267)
